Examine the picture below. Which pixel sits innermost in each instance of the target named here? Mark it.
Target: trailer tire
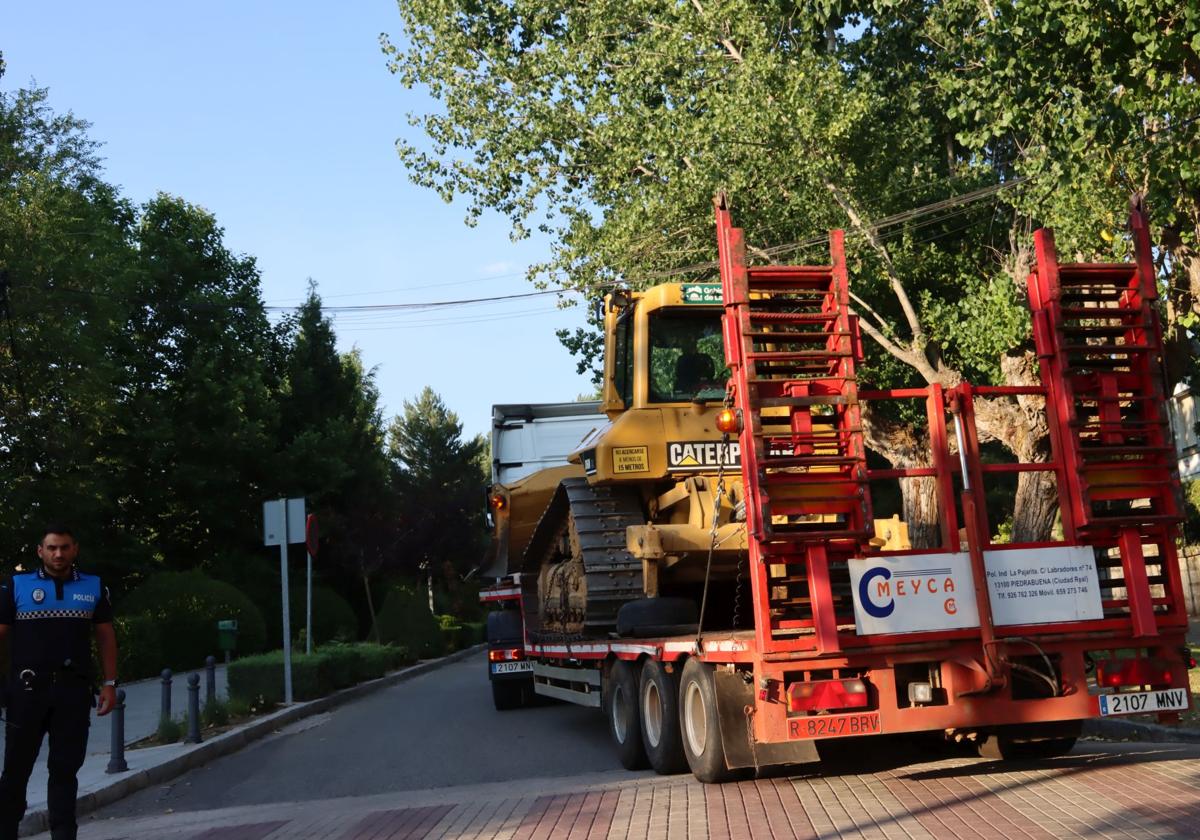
(1029, 743)
(621, 709)
(507, 695)
(647, 617)
(658, 705)
(700, 725)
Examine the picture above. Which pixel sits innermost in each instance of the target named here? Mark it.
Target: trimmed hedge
(255, 679)
(405, 620)
(182, 609)
(139, 647)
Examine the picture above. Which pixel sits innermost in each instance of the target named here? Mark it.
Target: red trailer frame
(804, 673)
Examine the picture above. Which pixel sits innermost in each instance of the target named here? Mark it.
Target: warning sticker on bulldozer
(703, 455)
(629, 459)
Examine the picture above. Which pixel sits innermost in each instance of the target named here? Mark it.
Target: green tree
(611, 125)
(194, 410)
(440, 479)
(332, 448)
(65, 248)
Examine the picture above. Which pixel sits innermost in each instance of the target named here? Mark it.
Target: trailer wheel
(507, 694)
(658, 694)
(621, 708)
(700, 724)
(1030, 743)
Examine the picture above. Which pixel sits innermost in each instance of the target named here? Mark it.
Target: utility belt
(31, 679)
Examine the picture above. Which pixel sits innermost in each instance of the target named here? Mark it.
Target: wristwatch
(108, 683)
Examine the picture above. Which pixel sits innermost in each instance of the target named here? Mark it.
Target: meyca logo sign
(913, 593)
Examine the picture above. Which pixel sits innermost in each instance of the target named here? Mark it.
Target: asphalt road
(437, 730)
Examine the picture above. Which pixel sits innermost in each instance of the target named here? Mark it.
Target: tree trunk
(898, 443)
(1021, 425)
(1183, 299)
(1036, 507)
(366, 579)
(921, 510)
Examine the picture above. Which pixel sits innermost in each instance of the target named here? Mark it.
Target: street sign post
(283, 524)
(310, 545)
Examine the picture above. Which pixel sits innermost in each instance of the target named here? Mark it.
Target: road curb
(228, 742)
(1129, 730)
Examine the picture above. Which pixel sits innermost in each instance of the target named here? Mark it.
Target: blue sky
(280, 118)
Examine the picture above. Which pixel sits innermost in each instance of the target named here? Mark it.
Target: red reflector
(505, 655)
(827, 694)
(1116, 673)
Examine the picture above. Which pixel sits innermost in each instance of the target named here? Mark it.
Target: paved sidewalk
(1100, 791)
(153, 765)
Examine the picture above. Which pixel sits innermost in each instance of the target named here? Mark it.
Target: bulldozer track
(593, 519)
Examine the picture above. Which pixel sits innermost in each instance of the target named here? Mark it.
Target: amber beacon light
(729, 421)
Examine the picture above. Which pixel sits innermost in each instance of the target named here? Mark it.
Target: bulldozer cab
(663, 346)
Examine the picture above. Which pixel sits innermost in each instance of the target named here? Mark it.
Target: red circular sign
(310, 534)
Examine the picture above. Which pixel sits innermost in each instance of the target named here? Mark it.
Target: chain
(716, 518)
(737, 593)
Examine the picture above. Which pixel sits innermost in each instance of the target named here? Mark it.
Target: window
(623, 357)
(687, 357)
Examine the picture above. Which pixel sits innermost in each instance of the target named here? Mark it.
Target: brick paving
(1101, 791)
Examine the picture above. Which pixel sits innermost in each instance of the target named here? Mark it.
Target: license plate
(511, 667)
(834, 726)
(1168, 700)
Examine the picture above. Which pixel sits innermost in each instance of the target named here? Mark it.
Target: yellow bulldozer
(622, 537)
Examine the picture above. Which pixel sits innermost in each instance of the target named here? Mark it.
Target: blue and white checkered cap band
(23, 616)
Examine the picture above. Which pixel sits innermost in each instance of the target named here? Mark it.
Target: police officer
(49, 616)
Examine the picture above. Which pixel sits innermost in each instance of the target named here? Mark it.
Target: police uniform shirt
(52, 619)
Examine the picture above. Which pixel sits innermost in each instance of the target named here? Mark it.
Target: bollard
(116, 762)
(166, 694)
(193, 733)
(210, 681)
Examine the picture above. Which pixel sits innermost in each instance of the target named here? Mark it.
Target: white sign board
(274, 522)
(295, 520)
(1043, 585)
(913, 593)
(283, 517)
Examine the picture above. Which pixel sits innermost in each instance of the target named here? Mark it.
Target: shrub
(333, 617)
(260, 678)
(215, 713)
(184, 608)
(472, 634)
(139, 647)
(405, 620)
(169, 730)
(1191, 510)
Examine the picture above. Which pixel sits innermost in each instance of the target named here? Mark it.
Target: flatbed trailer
(1008, 645)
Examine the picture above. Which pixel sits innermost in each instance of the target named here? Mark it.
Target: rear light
(1119, 673)
(729, 421)
(505, 655)
(498, 501)
(827, 695)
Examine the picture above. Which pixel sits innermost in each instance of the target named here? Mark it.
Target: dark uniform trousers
(60, 706)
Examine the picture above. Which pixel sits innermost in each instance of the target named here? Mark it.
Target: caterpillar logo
(703, 455)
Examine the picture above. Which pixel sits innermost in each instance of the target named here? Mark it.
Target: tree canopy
(939, 134)
(147, 398)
